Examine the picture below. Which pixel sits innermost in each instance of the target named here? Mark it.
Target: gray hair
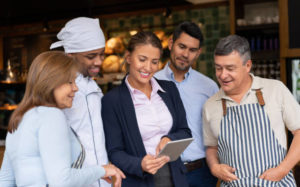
(233, 43)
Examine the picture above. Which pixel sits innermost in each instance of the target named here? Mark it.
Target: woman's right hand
(151, 164)
(113, 171)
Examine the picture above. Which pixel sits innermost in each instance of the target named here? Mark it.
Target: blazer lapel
(130, 120)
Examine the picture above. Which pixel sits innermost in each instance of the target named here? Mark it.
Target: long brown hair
(48, 71)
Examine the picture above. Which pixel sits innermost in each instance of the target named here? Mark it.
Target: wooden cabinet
(289, 28)
(257, 20)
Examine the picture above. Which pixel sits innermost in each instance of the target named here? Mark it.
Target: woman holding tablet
(141, 116)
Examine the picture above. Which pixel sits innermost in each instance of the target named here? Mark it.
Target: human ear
(170, 43)
(127, 57)
(249, 65)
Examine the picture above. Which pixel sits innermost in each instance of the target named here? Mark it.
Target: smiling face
(184, 52)
(90, 61)
(143, 63)
(232, 74)
(64, 94)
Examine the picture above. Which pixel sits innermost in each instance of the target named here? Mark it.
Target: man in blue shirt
(194, 88)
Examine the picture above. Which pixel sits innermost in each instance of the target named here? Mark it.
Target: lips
(95, 70)
(225, 82)
(183, 61)
(144, 75)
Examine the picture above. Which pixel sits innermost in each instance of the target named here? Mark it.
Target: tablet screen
(173, 149)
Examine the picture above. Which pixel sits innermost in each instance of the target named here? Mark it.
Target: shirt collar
(256, 84)
(170, 74)
(155, 86)
(86, 84)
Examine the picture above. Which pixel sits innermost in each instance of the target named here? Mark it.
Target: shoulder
(213, 101)
(50, 115)
(203, 79)
(45, 111)
(160, 74)
(271, 86)
(212, 111)
(203, 84)
(114, 94)
(42, 115)
(275, 92)
(166, 84)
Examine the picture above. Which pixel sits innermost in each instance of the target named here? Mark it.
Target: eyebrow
(95, 53)
(227, 66)
(148, 57)
(193, 48)
(142, 56)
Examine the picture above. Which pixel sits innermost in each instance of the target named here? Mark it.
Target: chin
(144, 81)
(93, 74)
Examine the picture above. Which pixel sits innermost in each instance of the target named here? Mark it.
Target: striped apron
(79, 162)
(247, 143)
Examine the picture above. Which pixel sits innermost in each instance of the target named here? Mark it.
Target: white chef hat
(80, 35)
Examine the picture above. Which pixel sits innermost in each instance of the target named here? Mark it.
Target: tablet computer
(173, 149)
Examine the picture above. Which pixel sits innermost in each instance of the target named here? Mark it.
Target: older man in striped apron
(244, 123)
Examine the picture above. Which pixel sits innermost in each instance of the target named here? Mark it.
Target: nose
(75, 88)
(185, 53)
(98, 60)
(223, 74)
(148, 66)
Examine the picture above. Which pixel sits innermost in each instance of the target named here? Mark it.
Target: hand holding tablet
(173, 149)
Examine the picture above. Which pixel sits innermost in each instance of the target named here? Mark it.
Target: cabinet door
(289, 28)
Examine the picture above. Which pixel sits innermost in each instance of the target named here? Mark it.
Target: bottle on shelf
(264, 69)
(277, 70)
(265, 43)
(258, 43)
(272, 73)
(252, 43)
(258, 68)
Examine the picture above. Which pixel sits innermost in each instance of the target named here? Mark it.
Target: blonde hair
(48, 71)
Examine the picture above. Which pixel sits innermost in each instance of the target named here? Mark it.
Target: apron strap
(260, 97)
(224, 107)
(81, 157)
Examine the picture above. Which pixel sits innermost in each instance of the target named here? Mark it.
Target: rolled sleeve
(208, 135)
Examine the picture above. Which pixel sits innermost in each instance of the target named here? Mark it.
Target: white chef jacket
(85, 118)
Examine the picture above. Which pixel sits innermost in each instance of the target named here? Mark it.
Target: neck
(240, 93)
(178, 74)
(145, 88)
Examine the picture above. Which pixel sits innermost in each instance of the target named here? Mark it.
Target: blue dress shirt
(194, 90)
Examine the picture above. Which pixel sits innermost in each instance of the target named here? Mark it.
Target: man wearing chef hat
(83, 39)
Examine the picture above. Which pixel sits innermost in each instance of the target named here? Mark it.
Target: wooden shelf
(8, 107)
(261, 55)
(271, 26)
(257, 1)
(11, 82)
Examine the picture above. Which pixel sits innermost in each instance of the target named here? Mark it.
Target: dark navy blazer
(124, 143)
